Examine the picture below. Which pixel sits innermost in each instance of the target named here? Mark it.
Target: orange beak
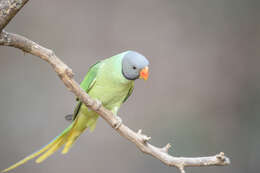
(144, 73)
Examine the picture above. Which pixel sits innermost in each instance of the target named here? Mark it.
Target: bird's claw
(96, 106)
(118, 122)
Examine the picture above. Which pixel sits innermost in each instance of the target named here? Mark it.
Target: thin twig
(141, 140)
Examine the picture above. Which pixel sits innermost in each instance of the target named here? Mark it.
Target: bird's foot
(118, 122)
(97, 105)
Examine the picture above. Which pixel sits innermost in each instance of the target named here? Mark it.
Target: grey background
(203, 95)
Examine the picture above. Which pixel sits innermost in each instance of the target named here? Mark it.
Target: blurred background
(203, 95)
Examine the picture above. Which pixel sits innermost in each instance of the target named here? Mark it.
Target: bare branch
(8, 9)
(140, 140)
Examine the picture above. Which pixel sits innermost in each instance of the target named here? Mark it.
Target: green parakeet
(111, 81)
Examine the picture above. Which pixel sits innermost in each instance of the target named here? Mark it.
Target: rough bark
(8, 9)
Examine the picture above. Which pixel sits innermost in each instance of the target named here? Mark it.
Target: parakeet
(111, 81)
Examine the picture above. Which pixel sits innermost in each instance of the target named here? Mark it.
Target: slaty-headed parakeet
(111, 81)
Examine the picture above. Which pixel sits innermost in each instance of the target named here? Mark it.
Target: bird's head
(134, 66)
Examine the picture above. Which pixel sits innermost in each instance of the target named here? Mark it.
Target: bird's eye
(134, 67)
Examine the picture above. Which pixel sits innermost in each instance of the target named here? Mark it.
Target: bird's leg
(119, 121)
(97, 105)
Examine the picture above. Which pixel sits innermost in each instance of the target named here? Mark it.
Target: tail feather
(67, 137)
(51, 150)
(70, 141)
(74, 134)
(39, 152)
(90, 122)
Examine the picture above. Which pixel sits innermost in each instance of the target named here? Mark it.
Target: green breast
(110, 87)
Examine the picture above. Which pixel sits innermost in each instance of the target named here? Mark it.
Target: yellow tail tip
(5, 170)
(38, 161)
(64, 152)
(8, 169)
(66, 148)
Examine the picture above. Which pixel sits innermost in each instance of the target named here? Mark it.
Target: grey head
(134, 66)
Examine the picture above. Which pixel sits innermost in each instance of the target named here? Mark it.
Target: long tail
(67, 137)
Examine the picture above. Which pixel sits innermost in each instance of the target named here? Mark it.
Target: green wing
(87, 83)
(90, 77)
(129, 93)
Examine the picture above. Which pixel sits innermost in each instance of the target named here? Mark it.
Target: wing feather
(87, 83)
(129, 93)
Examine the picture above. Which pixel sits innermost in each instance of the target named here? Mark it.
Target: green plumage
(105, 82)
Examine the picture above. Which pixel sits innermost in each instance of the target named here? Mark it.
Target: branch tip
(147, 138)
(166, 148)
(139, 132)
(222, 158)
(144, 138)
(181, 168)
